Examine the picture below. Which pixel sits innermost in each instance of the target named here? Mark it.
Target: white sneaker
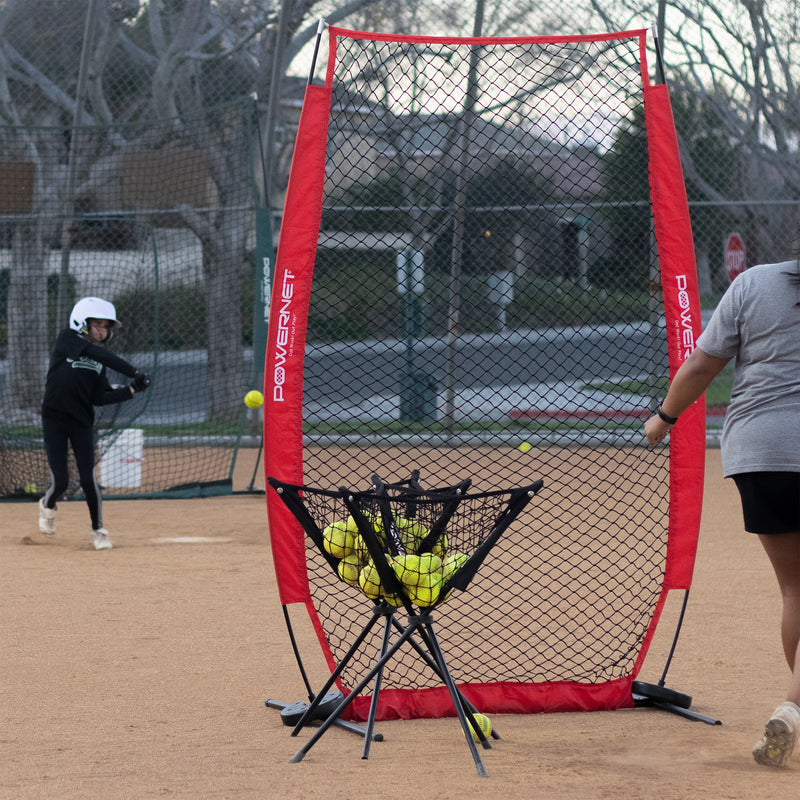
(100, 539)
(780, 736)
(47, 518)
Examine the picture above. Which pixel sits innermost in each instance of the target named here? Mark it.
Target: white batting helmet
(92, 308)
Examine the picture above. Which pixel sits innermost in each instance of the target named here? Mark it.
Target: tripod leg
(466, 724)
(426, 656)
(309, 712)
(373, 706)
(379, 665)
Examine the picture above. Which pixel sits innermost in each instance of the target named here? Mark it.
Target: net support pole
(675, 638)
(320, 29)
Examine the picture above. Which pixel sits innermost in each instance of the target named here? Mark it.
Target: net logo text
(685, 327)
(282, 338)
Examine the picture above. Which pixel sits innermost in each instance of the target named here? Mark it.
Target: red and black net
(485, 268)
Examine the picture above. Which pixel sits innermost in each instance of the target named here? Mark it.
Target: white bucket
(121, 466)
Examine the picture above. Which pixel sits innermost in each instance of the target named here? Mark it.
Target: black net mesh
(561, 599)
(404, 546)
(486, 303)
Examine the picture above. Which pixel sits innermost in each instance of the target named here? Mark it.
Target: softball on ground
(484, 723)
(254, 399)
(524, 447)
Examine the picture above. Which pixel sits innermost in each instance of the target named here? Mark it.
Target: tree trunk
(28, 330)
(223, 260)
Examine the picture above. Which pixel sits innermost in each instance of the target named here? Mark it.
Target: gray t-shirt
(758, 323)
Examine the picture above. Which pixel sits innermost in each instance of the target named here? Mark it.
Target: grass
(718, 393)
(399, 428)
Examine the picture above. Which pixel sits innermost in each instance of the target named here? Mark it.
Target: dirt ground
(142, 672)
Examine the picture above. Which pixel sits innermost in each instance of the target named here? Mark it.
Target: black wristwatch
(664, 417)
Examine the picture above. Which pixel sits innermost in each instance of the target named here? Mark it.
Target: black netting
(486, 303)
(567, 593)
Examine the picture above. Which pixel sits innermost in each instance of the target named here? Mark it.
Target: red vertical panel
(286, 339)
(683, 324)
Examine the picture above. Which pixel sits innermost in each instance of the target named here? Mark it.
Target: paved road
(483, 371)
(486, 374)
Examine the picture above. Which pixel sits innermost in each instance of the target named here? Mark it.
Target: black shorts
(770, 501)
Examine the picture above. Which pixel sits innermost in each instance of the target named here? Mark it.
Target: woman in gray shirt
(757, 323)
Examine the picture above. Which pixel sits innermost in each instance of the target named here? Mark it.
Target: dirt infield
(142, 671)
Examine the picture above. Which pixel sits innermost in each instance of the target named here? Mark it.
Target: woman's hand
(656, 430)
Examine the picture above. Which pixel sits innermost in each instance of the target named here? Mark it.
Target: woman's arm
(108, 359)
(690, 381)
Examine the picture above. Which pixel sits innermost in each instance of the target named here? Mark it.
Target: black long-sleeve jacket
(77, 381)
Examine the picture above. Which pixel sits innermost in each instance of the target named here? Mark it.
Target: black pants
(59, 434)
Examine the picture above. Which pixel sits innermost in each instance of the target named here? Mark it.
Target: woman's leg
(783, 727)
(83, 446)
(56, 443)
(783, 550)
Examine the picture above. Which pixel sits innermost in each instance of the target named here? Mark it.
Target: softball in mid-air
(254, 399)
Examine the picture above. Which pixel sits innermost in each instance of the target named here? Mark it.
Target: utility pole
(72, 167)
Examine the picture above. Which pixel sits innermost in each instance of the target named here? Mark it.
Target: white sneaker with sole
(47, 518)
(780, 736)
(100, 539)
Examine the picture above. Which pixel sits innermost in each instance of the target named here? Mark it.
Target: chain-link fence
(162, 224)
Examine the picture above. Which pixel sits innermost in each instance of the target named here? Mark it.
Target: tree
(715, 170)
(737, 60)
(626, 185)
(162, 63)
(165, 62)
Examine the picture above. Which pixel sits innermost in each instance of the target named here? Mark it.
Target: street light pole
(459, 219)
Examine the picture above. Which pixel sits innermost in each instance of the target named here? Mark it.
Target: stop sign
(734, 256)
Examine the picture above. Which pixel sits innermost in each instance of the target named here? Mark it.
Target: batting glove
(140, 382)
